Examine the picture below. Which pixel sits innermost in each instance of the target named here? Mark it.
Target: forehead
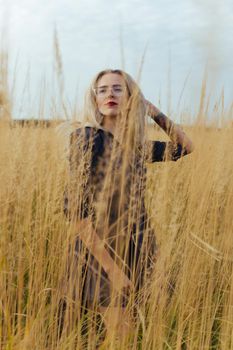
(111, 79)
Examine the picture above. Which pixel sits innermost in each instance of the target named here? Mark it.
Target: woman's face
(111, 94)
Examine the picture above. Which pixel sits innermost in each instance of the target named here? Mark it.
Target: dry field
(190, 203)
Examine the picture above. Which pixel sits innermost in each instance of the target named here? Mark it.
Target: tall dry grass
(190, 203)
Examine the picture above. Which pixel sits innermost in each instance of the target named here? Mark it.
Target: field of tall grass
(189, 304)
(190, 203)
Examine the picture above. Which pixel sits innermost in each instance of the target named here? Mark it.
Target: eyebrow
(115, 85)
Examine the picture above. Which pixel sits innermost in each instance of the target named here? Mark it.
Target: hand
(152, 110)
(119, 280)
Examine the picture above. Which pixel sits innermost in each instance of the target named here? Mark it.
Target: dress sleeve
(77, 201)
(158, 151)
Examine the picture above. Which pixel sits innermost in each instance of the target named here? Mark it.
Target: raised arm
(175, 133)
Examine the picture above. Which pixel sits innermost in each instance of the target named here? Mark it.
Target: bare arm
(96, 246)
(175, 133)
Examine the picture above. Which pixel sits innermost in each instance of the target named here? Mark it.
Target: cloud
(89, 34)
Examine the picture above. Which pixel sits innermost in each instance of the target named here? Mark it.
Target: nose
(110, 92)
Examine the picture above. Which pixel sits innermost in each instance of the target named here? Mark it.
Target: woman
(105, 201)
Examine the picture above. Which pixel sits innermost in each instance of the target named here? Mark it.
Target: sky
(177, 41)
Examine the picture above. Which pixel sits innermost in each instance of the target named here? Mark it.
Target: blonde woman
(105, 201)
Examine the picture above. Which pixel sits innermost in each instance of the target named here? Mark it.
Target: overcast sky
(178, 37)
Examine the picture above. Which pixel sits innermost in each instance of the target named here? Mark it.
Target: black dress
(108, 186)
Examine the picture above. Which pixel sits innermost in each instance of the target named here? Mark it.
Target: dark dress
(108, 186)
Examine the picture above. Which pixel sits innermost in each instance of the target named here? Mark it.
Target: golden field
(191, 205)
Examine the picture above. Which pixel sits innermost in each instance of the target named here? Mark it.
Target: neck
(109, 124)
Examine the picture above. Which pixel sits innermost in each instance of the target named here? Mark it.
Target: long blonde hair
(135, 110)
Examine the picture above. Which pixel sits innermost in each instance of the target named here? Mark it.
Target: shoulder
(88, 137)
(83, 134)
(87, 132)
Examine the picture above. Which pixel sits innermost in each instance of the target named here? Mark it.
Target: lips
(111, 103)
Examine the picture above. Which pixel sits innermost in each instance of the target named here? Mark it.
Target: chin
(111, 114)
